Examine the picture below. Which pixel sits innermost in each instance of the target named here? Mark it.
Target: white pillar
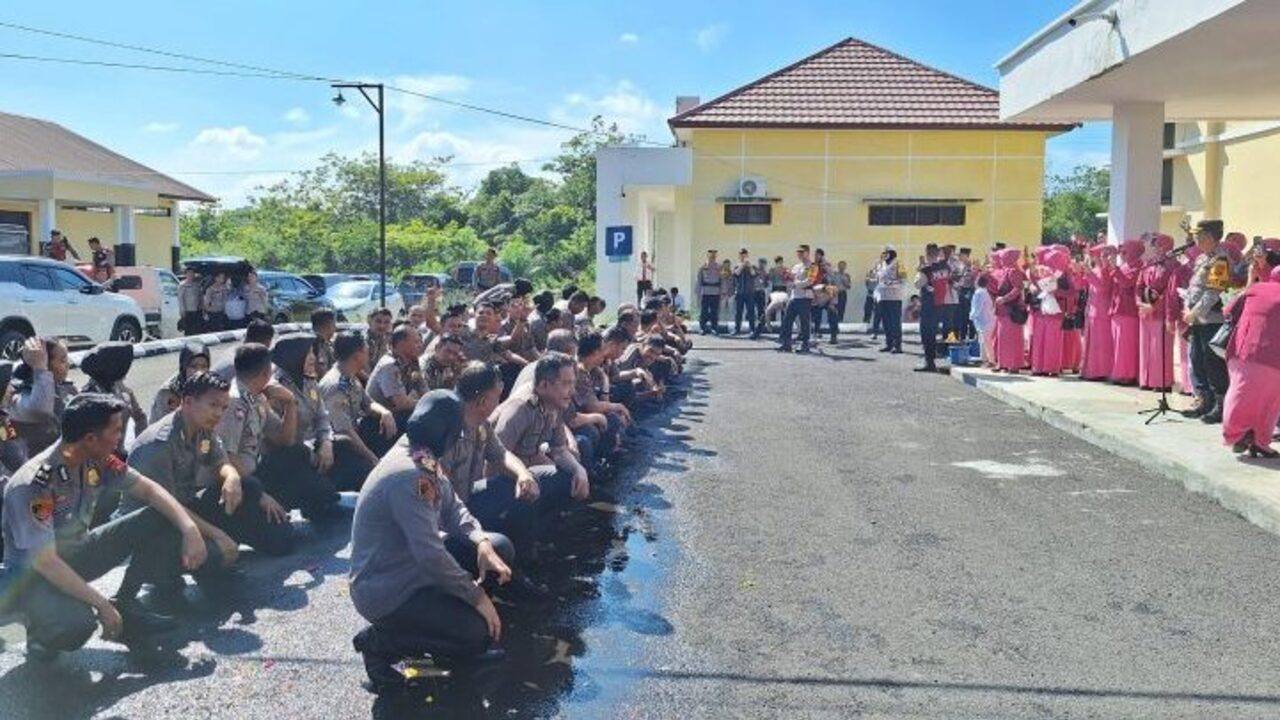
(610, 211)
(47, 221)
(124, 225)
(176, 227)
(1137, 142)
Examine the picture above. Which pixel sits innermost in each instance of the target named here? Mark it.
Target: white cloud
(297, 116)
(628, 38)
(160, 127)
(409, 110)
(710, 37)
(625, 104)
(238, 142)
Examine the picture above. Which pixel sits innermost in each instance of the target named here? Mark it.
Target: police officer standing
(214, 302)
(48, 506)
(417, 553)
(257, 304)
(190, 301)
(709, 286)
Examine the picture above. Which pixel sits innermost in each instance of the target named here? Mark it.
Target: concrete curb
(1249, 491)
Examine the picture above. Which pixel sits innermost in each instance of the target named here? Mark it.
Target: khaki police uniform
(242, 431)
(190, 302)
(287, 472)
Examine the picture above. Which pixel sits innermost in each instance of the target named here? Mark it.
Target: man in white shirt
(799, 303)
(644, 278)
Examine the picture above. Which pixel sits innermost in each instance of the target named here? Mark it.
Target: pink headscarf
(1009, 257)
(1058, 258)
(1131, 251)
(1275, 275)
(1163, 243)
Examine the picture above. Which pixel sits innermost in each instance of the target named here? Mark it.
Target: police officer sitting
(41, 392)
(193, 358)
(362, 429)
(182, 453)
(416, 553)
(396, 382)
(48, 506)
(296, 468)
(260, 521)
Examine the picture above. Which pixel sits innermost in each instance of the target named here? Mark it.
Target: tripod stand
(1166, 378)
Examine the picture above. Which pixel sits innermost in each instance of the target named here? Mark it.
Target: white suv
(45, 297)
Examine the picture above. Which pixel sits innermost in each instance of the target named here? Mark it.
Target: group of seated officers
(464, 430)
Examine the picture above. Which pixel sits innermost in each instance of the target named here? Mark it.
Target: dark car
(292, 298)
(413, 287)
(464, 273)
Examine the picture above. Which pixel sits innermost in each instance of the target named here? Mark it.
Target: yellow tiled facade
(1224, 171)
(822, 181)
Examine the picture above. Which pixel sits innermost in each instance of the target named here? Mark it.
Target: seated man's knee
(503, 546)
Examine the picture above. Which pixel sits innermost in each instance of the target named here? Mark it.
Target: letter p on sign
(617, 241)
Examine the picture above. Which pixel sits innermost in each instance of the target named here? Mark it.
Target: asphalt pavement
(828, 535)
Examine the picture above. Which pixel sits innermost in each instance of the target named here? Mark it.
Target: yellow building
(1221, 170)
(52, 178)
(850, 149)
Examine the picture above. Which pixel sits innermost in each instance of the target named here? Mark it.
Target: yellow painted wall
(1249, 176)
(821, 179)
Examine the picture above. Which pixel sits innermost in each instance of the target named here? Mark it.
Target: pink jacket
(1256, 337)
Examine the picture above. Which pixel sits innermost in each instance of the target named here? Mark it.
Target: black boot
(378, 663)
(141, 624)
(1214, 416)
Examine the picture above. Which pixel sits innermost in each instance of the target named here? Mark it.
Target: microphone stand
(1162, 405)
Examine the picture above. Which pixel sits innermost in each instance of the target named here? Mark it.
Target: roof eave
(675, 122)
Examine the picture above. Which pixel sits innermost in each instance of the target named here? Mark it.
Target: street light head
(338, 99)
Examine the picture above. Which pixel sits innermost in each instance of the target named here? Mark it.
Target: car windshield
(352, 290)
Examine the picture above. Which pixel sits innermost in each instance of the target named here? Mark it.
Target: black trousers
(709, 314)
(431, 622)
(869, 310)
(641, 287)
(1210, 370)
(248, 525)
(797, 309)
(287, 474)
(216, 321)
(965, 330)
(144, 537)
(744, 303)
(929, 319)
(192, 323)
(889, 315)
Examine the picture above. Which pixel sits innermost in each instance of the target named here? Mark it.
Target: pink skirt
(1071, 351)
(1046, 345)
(1009, 352)
(1252, 402)
(1099, 351)
(1124, 358)
(1155, 355)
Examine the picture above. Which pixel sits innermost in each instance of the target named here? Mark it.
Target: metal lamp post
(382, 173)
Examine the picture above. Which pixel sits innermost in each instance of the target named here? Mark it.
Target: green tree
(1072, 203)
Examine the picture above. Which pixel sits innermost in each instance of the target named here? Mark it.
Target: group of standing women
(1120, 313)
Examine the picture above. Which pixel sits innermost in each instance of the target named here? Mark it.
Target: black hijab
(436, 422)
(6, 374)
(290, 355)
(190, 351)
(108, 363)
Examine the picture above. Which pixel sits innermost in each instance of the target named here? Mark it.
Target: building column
(610, 210)
(1137, 149)
(1213, 170)
(126, 250)
(175, 250)
(46, 222)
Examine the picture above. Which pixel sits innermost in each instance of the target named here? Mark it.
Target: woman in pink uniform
(1072, 322)
(1047, 287)
(1181, 280)
(1155, 351)
(1010, 354)
(1124, 313)
(1252, 406)
(1098, 348)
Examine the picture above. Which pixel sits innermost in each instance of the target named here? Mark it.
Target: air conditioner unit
(751, 187)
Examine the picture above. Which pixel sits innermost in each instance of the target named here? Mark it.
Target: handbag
(1221, 340)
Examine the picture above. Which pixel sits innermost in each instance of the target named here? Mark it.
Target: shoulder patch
(42, 509)
(43, 475)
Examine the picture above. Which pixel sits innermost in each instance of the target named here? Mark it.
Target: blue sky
(562, 61)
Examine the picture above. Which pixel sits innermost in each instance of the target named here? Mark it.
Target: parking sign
(617, 241)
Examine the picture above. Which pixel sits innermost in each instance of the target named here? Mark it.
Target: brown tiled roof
(854, 84)
(34, 145)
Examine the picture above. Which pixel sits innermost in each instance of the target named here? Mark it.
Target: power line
(260, 71)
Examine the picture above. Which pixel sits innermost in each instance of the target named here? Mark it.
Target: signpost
(618, 242)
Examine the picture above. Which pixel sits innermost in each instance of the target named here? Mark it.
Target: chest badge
(314, 395)
(42, 509)
(205, 446)
(92, 476)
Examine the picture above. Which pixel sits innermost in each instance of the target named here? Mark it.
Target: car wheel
(127, 330)
(11, 344)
